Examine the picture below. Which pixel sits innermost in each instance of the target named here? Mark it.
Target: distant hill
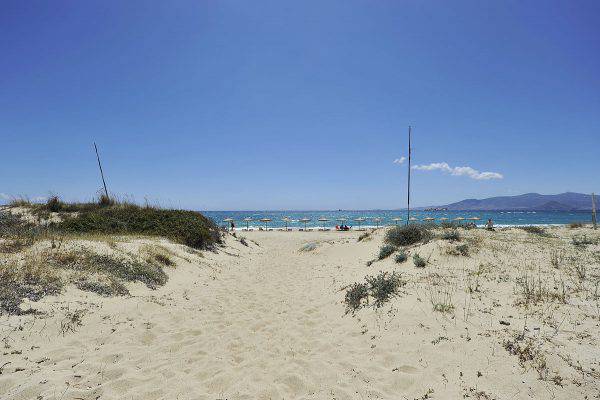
(530, 201)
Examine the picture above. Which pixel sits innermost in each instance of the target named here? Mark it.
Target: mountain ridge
(568, 201)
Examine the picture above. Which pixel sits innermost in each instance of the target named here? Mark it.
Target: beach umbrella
(342, 219)
(428, 219)
(474, 219)
(396, 220)
(360, 220)
(247, 221)
(413, 219)
(265, 220)
(304, 220)
(459, 219)
(228, 220)
(377, 220)
(286, 220)
(443, 219)
(323, 219)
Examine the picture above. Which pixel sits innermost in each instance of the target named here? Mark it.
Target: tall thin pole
(408, 197)
(101, 172)
(594, 210)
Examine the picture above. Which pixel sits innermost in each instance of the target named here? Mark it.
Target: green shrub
(186, 227)
(386, 251)
(419, 261)
(407, 235)
(574, 225)
(401, 257)
(583, 240)
(381, 287)
(105, 201)
(452, 236)
(384, 286)
(364, 236)
(53, 204)
(356, 296)
(535, 230)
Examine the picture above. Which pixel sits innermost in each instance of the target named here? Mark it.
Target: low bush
(419, 261)
(583, 240)
(385, 251)
(357, 295)
(574, 225)
(364, 236)
(407, 235)
(186, 227)
(452, 236)
(32, 281)
(401, 257)
(383, 286)
(535, 230)
(459, 250)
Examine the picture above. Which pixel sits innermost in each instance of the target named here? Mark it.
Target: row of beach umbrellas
(360, 220)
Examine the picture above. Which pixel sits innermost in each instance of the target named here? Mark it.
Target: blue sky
(227, 105)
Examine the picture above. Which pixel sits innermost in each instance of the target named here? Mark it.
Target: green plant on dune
(385, 251)
(186, 227)
(401, 257)
(407, 235)
(419, 261)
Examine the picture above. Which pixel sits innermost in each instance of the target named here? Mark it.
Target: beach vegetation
(451, 236)
(385, 251)
(528, 353)
(407, 235)
(357, 295)
(381, 288)
(458, 250)
(575, 225)
(583, 240)
(190, 228)
(419, 261)
(401, 257)
(364, 236)
(311, 246)
(534, 230)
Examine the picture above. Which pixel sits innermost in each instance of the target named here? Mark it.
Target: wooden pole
(101, 172)
(594, 210)
(408, 196)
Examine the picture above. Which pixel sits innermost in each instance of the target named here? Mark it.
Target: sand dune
(267, 321)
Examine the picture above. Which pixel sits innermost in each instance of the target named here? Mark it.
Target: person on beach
(232, 226)
(490, 225)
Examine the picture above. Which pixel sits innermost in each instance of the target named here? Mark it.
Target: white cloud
(4, 196)
(459, 171)
(399, 160)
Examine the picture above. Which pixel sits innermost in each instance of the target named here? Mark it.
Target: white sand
(268, 322)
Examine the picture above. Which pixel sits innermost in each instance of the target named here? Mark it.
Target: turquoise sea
(500, 218)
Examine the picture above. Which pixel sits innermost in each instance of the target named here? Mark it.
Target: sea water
(373, 218)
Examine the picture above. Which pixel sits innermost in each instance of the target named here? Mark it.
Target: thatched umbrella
(443, 219)
(360, 220)
(459, 219)
(266, 220)
(228, 220)
(304, 220)
(286, 220)
(377, 220)
(247, 221)
(323, 219)
(428, 219)
(396, 220)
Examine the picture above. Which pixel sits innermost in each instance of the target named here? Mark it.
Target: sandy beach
(268, 321)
